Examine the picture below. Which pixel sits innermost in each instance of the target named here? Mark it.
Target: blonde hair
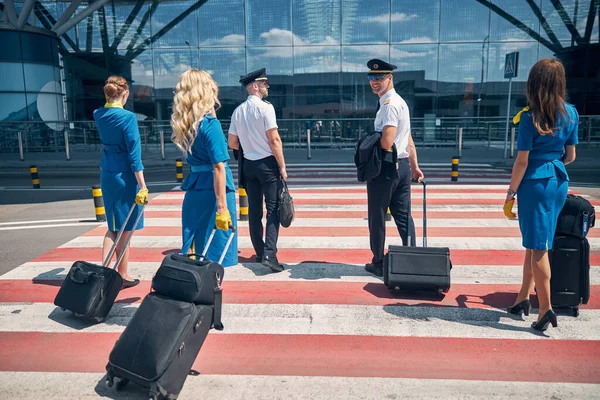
(115, 87)
(195, 95)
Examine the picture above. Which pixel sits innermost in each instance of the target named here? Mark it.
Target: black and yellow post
(35, 178)
(388, 216)
(243, 204)
(455, 169)
(179, 169)
(98, 203)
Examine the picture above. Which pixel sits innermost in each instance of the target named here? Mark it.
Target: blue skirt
(539, 203)
(118, 192)
(198, 221)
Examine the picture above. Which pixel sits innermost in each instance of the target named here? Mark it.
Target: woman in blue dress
(209, 188)
(121, 177)
(539, 179)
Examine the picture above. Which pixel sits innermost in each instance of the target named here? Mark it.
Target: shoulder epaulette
(517, 117)
(386, 102)
(266, 102)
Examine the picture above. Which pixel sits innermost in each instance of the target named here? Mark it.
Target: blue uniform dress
(121, 157)
(543, 191)
(200, 202)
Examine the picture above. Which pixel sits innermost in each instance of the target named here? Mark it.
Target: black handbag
(286, 206)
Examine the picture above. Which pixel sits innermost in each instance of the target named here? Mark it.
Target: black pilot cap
(379, 67)
(258, 75)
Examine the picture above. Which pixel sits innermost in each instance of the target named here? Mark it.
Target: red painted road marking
(303, 292)
(349, 256)
(576, 361)
(335, 214)
(362, 201)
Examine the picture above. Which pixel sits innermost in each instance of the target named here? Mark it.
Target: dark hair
(546, 94)
(115, 87)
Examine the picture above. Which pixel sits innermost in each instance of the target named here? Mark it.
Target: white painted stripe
(316, 242)
(60, 386)
(318, 319)
(14, 228)
(417, 194)
(461, 274)
(291, 179)
(415, 206)
(362, 222)
(352, 165)
(44, 221)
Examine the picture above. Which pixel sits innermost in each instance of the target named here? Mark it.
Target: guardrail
(81, 136)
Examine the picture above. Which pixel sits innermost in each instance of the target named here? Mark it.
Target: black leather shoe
(128, 284)
(523, 307)
(271, 262)
(547, 319)
(375, 268)
(259, 258)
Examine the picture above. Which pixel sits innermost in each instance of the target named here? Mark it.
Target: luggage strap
(218, 325)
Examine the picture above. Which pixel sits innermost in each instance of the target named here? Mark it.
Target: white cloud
(280, 37)
(229, 40)
(400, 54)
(417, 39)
(395, 17)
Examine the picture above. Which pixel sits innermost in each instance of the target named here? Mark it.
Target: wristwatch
(511, 193)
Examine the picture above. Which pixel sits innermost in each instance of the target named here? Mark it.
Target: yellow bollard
(388, 216)
(35, 178)
(455, 169)
(179, 170)
(98, 203)
(243, 204)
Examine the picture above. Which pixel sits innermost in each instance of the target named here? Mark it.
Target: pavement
(324, 328)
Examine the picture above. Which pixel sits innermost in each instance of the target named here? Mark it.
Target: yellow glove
(223, 220)
(508, 209)
(141, 197)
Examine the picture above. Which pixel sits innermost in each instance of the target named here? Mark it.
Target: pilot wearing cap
(254, 128)
(391, 189)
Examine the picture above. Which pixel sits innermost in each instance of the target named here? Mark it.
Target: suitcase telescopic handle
(210, 238)
(114, 246)
(424, 183)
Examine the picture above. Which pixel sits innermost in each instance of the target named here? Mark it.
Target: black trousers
(263, 180)
(395, 194)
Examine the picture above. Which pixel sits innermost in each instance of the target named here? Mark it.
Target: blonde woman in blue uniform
(539, 179)
(121, 177)
(209, 189)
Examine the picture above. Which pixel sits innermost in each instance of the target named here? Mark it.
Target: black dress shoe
(271, 262)
(523, 307)
(128, 284)
(375, 268)
(259, 258)
(547, 319)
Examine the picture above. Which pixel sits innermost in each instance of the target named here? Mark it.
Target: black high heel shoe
(524, 306)
(547, 319)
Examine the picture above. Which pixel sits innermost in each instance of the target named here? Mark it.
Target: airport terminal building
(450, 55)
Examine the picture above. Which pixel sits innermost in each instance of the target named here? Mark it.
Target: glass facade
(450, 53)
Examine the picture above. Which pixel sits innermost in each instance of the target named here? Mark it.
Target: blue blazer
(120, 138)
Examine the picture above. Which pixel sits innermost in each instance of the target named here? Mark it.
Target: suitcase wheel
(63, 309)
(78, 315)
(122, 383)
(218, 327)
(576, 312)
(98, 319)
(440, 292)
(109, 382)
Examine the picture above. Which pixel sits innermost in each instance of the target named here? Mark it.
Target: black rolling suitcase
(418, 268)
(89, 290)
(570, 255)
(161, 342)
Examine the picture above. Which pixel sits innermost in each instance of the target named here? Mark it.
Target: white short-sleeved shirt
(393, 111)
(250, 122)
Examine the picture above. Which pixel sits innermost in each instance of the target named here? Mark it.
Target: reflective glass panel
(175, 34)
(528, 55)
(13, 107)
(41, 78)
(128, 24)
(419, 60)
(463, 21)
(509, 28)
(221, 23)
(225, 65)
(563, 14)
(365, 21)
(415, 21)
(317, 22)
(168, 65)
(269, 22)
(12, 76)
(11, 50)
